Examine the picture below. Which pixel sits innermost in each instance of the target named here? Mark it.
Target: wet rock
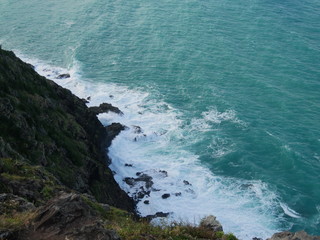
(128, 165)
(137, 129)
(146, 202)
(186, 182)
(210, 222)
(130, 181)
(105, 108)
(145, 178)
(164, 173)
(112, 131)
(141, 194)
(166, 195)
(63, 76)
(302, 235)
(158, 214)
(256, 238)
(141, 178)
(177, 194)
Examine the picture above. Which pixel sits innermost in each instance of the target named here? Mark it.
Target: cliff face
(45, 125)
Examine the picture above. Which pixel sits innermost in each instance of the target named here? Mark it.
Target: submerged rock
(64, 76)
(186, 182)
(210, 222)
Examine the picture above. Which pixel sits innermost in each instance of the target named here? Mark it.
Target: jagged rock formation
(212, 223)
(68, 216)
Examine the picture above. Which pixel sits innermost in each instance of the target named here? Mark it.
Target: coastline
(104, 145)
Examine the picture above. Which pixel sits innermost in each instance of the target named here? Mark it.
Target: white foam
(246, 208)
(290, 212)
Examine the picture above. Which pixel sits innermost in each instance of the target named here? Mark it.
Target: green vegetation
(130, 228)
(16, 221)
(41, 184)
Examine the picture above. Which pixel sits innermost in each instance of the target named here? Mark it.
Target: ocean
(221, 99)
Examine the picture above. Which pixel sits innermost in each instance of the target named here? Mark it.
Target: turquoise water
(242, 78)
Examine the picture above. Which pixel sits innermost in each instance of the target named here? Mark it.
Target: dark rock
(105, 108)
(141, 178)
(141, 194)
(137, 129)
(256, 238)
(186, 182)
(177, 194)
(128, 165)
(9, 234)
(158, 214)
(211, 223)
(130, 181)
(145, 178)
(302, 235)
(112, 131)
(88, 98)
(146, 202)
(11, 203)
(164, 173)
(64, 76)
(68, 216)
(166, 195)
(84, 100)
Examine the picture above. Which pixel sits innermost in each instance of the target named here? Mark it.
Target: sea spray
(248, 208)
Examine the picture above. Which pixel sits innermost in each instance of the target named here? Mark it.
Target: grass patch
(131, 229)
(16, 221)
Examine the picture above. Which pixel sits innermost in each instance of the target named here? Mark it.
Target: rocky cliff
(44, 124)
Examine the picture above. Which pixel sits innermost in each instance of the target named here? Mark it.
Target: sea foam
(153, 144)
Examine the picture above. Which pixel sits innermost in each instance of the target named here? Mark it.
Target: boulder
(166, 195)
(301, 235)
(12, 203)
(210, 222)
(68, 216)
(63, 76)
(105, 108)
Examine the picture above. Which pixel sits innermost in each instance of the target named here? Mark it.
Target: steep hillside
(44, 124)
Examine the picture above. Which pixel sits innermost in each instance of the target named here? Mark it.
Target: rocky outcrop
(105, 108)
(301, 235)
(68, 216)
(210, 222)
(12, 203)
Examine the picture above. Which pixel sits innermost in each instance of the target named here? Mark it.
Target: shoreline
(158, 172)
